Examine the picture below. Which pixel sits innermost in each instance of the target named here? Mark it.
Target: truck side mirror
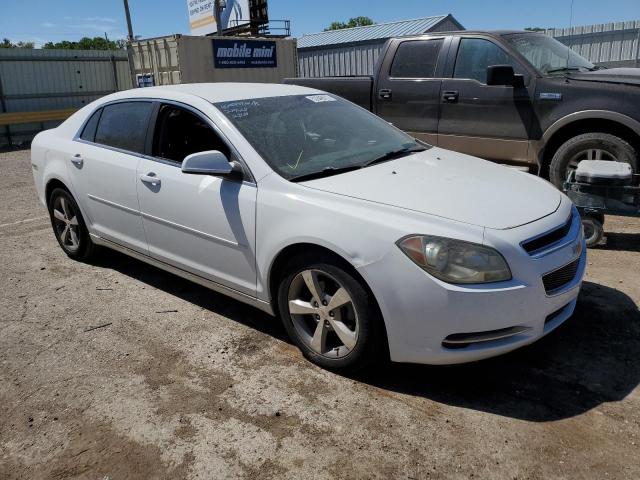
(504, 75)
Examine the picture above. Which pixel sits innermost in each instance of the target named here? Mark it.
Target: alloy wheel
(323, 313)
(65, 220)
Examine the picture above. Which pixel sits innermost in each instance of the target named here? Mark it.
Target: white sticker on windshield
(321, 98)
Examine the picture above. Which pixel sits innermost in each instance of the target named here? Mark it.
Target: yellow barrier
(14, 118)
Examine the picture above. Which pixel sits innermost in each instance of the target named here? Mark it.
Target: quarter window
(89, 132)
(179, 133)
(475, 55)
(124, 125)
(416, 59)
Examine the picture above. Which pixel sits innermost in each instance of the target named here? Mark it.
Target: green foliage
(86, 43)
(6, 43)
(353, 22)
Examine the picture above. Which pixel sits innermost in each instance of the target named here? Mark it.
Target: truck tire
(593, 230)
(589, 146)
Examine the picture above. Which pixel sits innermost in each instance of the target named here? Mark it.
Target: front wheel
(330, 315)
(68, 225)
(589, 146)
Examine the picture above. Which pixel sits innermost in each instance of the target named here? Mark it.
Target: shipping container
(187, 59)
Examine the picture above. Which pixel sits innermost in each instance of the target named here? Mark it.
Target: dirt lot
(180, 382)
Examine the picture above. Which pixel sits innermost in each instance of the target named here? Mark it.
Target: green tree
(86, 43)
(353, 22)
(6, 43)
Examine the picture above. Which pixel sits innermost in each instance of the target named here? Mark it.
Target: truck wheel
(589, 146)
(593, 230)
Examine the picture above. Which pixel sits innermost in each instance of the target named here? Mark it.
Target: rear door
(199, 223)
(489, 121)
(102, 168)
(408, 87)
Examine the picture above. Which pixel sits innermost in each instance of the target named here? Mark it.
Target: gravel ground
(116, 369)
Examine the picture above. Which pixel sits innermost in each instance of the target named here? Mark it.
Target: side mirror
(504, 75)
(211, 162)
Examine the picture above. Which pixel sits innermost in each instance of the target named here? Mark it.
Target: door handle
(385, 93)
(150, 178)
(450, 96)
(77, 160)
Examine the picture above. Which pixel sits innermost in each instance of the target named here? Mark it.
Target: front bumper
(421, 312)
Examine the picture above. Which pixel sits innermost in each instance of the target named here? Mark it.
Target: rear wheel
(330, 315)
(593, 230)
(68, 225)
(589, 146)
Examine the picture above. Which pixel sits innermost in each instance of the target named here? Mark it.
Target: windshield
(303, 135)
(547, 54)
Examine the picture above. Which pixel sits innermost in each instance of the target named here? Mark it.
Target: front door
(199, 223)
(103, 171)
(408, 89)
(489, 121)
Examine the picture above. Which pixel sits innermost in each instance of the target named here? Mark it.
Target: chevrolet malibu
(367, 243)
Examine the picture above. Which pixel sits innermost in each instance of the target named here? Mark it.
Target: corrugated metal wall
(608, 44)
(352, 59)
(188, 59)
(339, 61)
(34, 80)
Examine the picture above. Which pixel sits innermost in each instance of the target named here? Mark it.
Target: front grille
(554, 281)
(544, 241)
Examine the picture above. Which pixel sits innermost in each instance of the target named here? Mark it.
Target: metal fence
(44, 80)
(607, 44)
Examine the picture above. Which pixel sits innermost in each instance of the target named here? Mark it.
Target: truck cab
(519, 98)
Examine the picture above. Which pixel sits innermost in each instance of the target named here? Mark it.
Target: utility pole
(129, 27)
(218, 13)
(129, 45)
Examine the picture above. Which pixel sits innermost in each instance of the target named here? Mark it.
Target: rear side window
(416, 59)
(89, 132)
(124, 125)
(475, 55)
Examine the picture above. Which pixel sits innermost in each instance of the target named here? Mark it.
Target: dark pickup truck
(519, 98)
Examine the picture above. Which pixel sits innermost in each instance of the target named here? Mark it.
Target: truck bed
(355, 89)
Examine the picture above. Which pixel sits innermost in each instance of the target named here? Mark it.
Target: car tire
(69, 226)
(348, 338)
(593, 230)
(589, 146)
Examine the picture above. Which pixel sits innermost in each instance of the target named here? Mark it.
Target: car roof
(217, 92)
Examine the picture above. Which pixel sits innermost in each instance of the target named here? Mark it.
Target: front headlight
(455, 261)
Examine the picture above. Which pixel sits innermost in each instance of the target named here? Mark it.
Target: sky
(54, 20)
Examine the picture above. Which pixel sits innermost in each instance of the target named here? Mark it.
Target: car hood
(450, 185)
(628, 76)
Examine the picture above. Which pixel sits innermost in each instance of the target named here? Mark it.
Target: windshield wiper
(325, 172)
(565, 69)
(395, 154)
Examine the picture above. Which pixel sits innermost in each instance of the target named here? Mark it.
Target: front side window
(547, 54)
(124, 125)
(301, 135)
(179, 133)
(416, 59)
(475, 55)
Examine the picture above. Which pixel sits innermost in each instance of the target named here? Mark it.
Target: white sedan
(368, 244)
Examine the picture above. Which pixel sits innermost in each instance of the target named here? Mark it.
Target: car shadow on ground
(589, 360)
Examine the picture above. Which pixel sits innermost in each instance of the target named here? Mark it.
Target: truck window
(475, 55)
(416, 59)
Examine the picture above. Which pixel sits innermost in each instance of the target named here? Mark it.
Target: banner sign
(244, 54)
(202, 17)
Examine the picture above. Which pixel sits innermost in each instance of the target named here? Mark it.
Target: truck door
(407, 93)
(489, 121)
